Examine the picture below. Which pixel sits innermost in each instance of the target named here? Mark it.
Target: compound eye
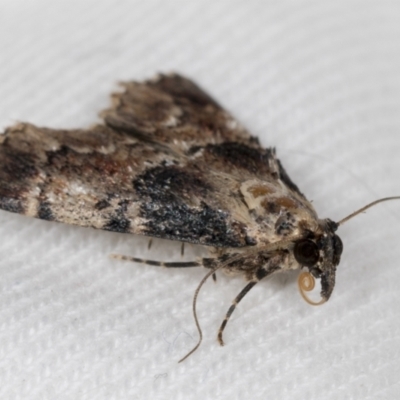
(337, 249)
(306, 253)
(337, 245)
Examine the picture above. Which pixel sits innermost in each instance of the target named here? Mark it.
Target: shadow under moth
(169, 162)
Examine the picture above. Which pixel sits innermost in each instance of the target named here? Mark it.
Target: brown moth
(168, 161)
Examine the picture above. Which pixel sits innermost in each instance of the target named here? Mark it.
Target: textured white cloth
(320, 81)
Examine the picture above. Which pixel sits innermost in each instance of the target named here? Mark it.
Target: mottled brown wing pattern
(169, 162)
(67, 176)
(174, 110)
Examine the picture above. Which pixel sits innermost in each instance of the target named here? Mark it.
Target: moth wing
(172, 109)
(169, 162)
(76, 176)
(175, 111)
(109, 180)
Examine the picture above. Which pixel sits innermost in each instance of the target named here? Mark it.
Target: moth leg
(258, 275)
(154, 263)
(182, 249)
(214, 276)
(235, 302)
(150, 243)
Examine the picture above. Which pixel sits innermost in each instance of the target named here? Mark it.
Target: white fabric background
(318, 80)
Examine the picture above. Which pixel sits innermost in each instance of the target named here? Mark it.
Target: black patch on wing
(16, 172)
(236, 154)
(165, 184)
(118, 222)
(44, 211)
(169, 205)
(12, 205)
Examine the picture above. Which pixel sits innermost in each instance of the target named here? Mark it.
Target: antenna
(342, 221)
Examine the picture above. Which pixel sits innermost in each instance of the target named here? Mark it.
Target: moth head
(320, 253)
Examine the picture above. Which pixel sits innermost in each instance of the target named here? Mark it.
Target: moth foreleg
(235, 302)
(259, 274)
(154, 263)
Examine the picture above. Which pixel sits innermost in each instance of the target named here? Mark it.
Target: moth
(168, 161)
